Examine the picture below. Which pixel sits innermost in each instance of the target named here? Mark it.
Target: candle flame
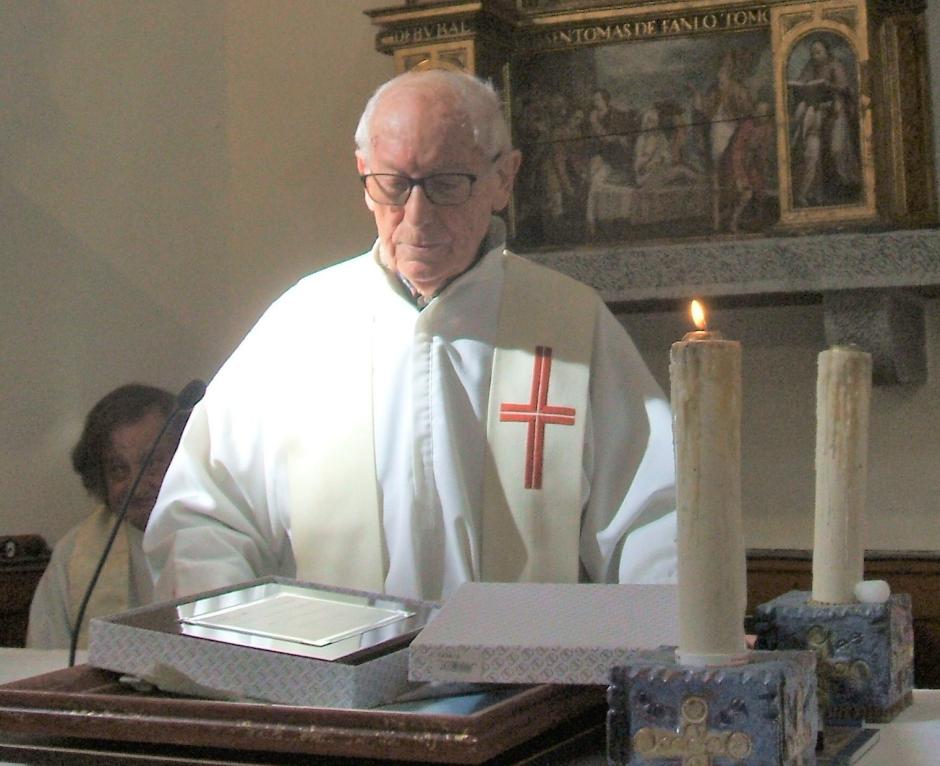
(698, 315)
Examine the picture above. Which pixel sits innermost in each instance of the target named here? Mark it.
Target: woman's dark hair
(123, 405)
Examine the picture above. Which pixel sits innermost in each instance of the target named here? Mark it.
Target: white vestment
(224, 514)
(124, 582)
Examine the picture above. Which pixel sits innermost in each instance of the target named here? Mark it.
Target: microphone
(188, 398)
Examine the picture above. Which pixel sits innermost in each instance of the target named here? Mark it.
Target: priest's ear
(362, 168)
(506, 168)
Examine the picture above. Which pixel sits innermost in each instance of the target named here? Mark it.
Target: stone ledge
(871, 284)
(779, 269)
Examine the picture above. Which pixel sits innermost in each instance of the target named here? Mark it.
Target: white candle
(843, 399)
(705, 370)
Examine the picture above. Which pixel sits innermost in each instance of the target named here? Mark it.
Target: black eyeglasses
(445, 189)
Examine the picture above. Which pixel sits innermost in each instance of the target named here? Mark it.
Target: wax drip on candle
(843, 395)
(700, 320)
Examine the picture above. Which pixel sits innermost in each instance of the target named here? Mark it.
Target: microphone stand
(187, 399)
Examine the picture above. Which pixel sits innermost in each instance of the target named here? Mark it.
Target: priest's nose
(418, 207)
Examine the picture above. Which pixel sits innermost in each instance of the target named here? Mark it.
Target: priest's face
(418, 130)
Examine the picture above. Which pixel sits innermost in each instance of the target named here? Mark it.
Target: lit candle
(705, 371)
(843, 398)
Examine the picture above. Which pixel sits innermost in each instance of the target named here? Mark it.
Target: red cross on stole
(537, 413)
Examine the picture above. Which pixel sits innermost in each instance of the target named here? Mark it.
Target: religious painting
(824, 141)
(826, 90)
(667, 137)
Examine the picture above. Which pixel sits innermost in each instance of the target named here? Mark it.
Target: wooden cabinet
(23, 559)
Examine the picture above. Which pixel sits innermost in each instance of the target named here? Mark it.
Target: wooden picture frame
(698, 122)
(86, 712)
(824, 99)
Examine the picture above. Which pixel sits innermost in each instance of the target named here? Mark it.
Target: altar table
(912, 739)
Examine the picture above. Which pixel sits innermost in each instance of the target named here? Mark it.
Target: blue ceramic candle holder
(864, 652)
(760, 713)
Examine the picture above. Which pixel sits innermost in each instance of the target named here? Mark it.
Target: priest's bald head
(435, 157)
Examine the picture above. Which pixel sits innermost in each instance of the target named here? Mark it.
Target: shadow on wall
(29, 29)
(71, 327)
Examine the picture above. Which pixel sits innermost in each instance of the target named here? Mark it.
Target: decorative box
(543, 633)
(273, 640)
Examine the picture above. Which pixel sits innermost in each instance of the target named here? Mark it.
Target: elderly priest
(434, 411)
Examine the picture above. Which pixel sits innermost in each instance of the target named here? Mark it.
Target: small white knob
(872, 591)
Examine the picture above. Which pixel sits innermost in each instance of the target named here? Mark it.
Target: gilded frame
(801, 29)
(727, 165)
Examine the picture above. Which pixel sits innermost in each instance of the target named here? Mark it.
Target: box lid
(555, 615)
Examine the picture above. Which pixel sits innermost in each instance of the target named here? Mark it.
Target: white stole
(112, 592)
(532, 489)
(528, 533)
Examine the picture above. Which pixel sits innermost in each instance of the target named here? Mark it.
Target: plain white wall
(168, 167)
(780, 346)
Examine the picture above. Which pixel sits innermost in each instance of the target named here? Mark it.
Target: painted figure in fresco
(655, 160)
(615, 132)
(533, 128)
(562, 167)
(751, 162)
(553, 129)
(611, 163)
(723, 107)
(653, 152)
(826, 162)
